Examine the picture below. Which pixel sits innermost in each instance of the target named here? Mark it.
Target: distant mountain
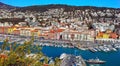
(5, 6)
(43, 8)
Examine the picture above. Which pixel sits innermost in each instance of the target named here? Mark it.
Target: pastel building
(35, 32)
(4, 30)
(55, 34)
(78, 36)
(16, 32)
(11, 29)
(102, 35)
(25, 32)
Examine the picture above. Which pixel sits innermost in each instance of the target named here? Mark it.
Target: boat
(95, 61)
(92, 49)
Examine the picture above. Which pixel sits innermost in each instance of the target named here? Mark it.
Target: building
(87, 35)
(16, 32)
(35, 32)
(25, 31)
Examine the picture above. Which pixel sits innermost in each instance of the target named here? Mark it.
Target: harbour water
(112, 58)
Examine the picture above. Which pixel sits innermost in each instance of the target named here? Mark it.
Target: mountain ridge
(6, 6)
(43, 8)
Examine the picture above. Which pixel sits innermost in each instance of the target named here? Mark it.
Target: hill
(42, 8)
(5, 6)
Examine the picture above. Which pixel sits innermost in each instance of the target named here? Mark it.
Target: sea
(112, 58)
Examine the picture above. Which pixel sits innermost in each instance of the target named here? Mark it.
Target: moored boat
(95, 61)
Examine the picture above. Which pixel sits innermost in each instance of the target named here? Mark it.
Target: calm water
(112, 58)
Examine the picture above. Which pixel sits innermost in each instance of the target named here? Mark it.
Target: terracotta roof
(5, 27)
(3, 56)
(58, 30)
(113, 35)
(34, 31)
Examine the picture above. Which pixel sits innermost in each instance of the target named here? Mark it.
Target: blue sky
(99, 3)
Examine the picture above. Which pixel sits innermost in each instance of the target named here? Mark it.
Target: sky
(98, 3)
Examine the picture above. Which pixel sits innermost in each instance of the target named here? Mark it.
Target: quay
(94, 46)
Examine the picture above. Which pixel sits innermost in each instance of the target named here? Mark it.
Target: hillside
(5, 6)
(42, 8)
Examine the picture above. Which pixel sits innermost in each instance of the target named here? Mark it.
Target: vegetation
(17, 55)
(67, 8)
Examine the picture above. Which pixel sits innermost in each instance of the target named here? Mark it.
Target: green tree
(57, 61)
(5, 45)
(17, 55)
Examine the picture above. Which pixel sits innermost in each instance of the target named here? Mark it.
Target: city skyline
(98, 3)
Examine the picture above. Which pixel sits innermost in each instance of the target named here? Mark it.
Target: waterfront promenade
(60, 43)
